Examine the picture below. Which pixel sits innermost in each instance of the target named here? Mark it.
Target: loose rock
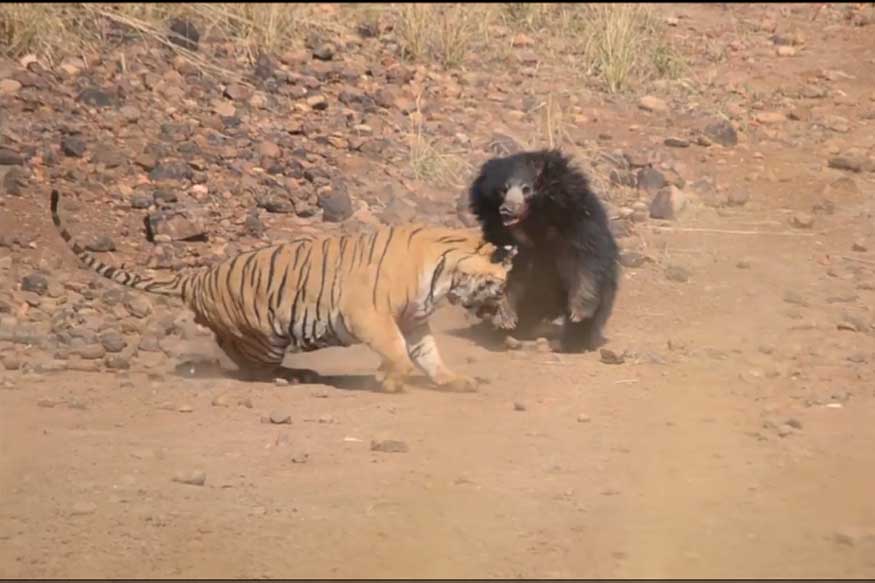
(675, 142)
(802, 221)
(336, 205)
(100, 244)
(770, 117)
(610, 357)
(73, 146)
(389, 446)
(651, 180)
(184, 34)
(9, 86)
(301, 458)
(847, 162)
(113, 342)
(633, 259)
(677, 274)
(668, 203)
(94, 97)
(177, 224)
(118, 362)
(722, 132)
(653, 104)
(324, 52)
(36, 283)
(738, 198)
(222, 401)
(91, 352)
(10, 158)
(190, 477)
(138, 307)
(83, 509)
(280, 418)
(171, 170)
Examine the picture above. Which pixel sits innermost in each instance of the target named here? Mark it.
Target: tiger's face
(480, 279)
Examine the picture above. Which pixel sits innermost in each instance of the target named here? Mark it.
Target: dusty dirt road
(735, 440)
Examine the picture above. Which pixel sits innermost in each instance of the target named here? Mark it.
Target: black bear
(567, 263)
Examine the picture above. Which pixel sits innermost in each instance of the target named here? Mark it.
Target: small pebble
(389, 446)
(802, 221)
(192, 477)
(83, 509)
(517, 406)
(222, 401)
(784, 430)
(583, 418)
(512, 343)
(677, 274)
(844, 539)
(793, 297)
(610, 357)
(185, 409)
(280, 418)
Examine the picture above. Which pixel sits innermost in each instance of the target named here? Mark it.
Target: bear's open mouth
(511, 220)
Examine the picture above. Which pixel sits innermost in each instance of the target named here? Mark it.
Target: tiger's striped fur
(378, 288)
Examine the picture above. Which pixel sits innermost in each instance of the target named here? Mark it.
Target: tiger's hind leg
(258, 363)
(251, 367)
(422, 349)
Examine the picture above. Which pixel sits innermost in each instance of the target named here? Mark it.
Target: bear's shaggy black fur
(567, 264)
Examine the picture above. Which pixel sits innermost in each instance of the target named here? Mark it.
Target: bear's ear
(539, 165)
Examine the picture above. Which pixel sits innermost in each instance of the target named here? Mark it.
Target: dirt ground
(733, 441)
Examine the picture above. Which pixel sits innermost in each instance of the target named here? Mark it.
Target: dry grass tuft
(442, 33)
(55, 30)
(620, 45)
(50, 30)
(623, 45)
(431, 161)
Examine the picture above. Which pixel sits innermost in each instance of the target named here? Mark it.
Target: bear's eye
(527, 190)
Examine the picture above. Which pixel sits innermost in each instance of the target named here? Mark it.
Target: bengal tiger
(377, 288)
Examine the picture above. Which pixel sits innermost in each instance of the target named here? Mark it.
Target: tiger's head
(479, 278)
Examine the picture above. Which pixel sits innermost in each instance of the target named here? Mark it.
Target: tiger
(377, 288)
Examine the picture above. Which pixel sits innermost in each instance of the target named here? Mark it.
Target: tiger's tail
(175, 286)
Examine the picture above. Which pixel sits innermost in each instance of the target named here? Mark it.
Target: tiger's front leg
(382, 335)
(423, 351)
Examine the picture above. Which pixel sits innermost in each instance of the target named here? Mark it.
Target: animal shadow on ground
(213, 369)
(487, 336)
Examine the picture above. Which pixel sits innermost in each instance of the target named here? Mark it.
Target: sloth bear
(567, 260)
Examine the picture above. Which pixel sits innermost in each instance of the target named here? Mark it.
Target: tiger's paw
(459, 384)
(393, 385)
(505, 318)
